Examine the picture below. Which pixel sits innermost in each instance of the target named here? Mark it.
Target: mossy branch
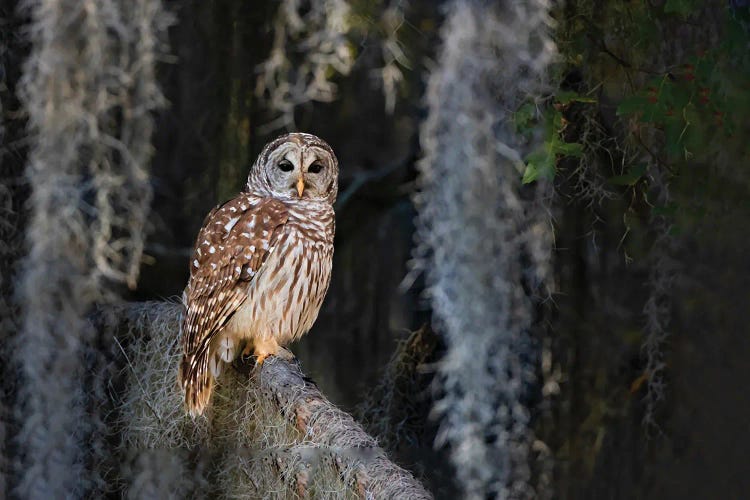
(356, 455)
(269, 431)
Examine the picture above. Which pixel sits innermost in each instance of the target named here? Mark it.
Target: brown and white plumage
(261, 264)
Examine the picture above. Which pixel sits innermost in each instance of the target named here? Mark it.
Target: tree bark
(356, 455)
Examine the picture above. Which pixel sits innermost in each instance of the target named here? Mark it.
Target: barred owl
(261, 264)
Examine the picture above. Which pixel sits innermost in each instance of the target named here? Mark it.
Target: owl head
(296, 167)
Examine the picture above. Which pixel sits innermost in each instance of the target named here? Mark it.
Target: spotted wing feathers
(234, 242)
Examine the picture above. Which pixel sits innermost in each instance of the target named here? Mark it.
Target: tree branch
(275, 432)
(359, 460)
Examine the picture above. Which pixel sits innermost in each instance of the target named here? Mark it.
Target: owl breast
(286, 295)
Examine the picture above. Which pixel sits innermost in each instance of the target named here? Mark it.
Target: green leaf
(631, 177)
(540, 163)
(631, 105)
(557, 122)
(655, 113)
(530, 174)
(679, 97)
(568, 148)
(567, 96)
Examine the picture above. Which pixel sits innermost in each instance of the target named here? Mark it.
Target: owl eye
(285, 166)
(315, 168)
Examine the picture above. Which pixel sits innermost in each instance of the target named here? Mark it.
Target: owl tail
(198, 372)
(197, 380)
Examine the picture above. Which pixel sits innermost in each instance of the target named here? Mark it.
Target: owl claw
(260, 359)
(261, 349)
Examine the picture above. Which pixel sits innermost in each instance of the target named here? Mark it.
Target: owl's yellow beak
(300, 186)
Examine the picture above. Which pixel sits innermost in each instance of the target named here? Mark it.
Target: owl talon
(260, 359)
(264, 348)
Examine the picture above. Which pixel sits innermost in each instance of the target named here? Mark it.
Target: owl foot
(282, 353)
(259, 359)
(262, 349)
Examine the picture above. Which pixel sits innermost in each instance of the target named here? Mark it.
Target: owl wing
(232, 246)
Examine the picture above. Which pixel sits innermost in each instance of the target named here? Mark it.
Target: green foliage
(542, 163)
(689, 110)
(692, 108)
